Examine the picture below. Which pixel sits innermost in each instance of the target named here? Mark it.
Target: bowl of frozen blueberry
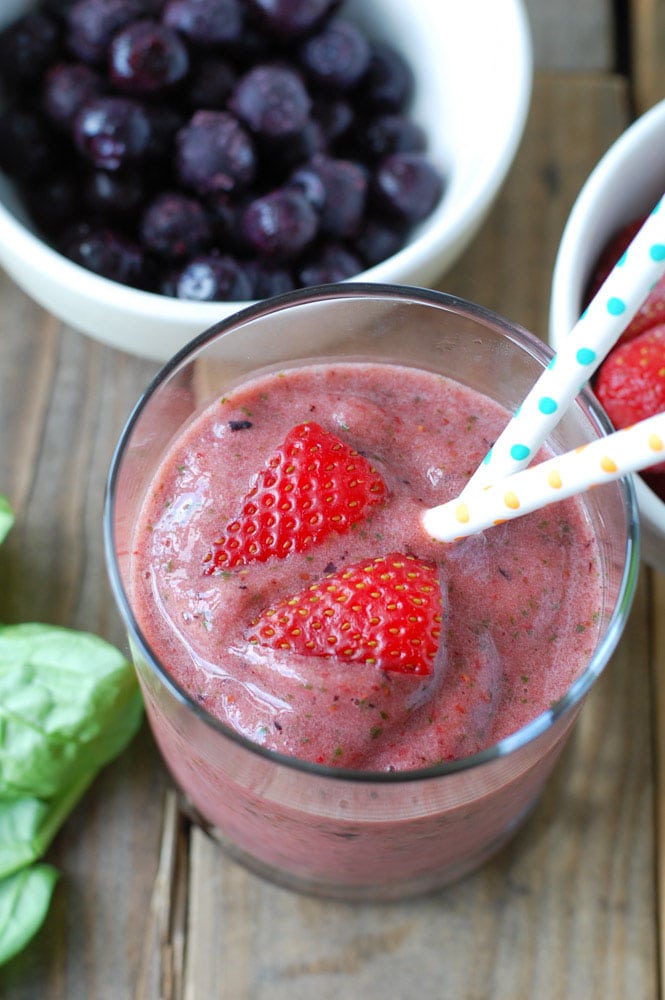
(619, 193)
(164, 163)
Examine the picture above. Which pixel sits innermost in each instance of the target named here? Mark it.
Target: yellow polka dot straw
(616, 455)
(595, 333)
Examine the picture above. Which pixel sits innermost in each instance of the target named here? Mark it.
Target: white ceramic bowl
(625, 184)
(473, 69)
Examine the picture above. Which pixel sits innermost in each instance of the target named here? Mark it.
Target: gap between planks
(657, 594)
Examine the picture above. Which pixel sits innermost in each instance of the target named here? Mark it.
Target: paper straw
(611, 457)
(595, 333)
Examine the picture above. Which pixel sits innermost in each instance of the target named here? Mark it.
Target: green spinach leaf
(6, 516)
(69, 702)
(24, 901)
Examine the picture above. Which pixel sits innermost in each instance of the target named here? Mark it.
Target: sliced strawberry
(313, 485)
(385, 612)
(631, 380)
(652, 310)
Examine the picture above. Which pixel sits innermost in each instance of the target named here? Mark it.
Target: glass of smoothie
(349, 707)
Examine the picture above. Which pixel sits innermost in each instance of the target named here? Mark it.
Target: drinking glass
(328, 831)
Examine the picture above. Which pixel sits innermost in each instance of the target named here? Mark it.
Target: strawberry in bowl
(630, 383)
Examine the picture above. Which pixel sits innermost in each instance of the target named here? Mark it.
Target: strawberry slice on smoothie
(384, 612)
(314, 484)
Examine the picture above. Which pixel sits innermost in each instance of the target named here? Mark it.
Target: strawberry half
(631, 380)
(384, 612)
(313, 485)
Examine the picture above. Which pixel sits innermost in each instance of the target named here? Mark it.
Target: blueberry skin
(337, 189)
(117, 193)
(174, 225)
(212, 278)
(333, 263)
(337, 57)
(215, 153)
(112, 131)
(206, 23)
(290, 19)
(272, 101)
(106, 252)
(279, 225)
(147, 57)
(91, 26)
(66, 88)
(407, 186)
(389, 83)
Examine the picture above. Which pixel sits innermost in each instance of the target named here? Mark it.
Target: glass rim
(538, 349)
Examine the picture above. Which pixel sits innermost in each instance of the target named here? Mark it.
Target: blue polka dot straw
(607, 458)
(595, 333)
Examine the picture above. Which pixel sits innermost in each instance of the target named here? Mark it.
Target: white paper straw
(595, 333)
(601, 461)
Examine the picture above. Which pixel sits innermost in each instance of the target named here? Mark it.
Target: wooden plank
(657, 633)
(572, 35)
(63, 400)
(508, 267)
(566, 911)
(648, 41)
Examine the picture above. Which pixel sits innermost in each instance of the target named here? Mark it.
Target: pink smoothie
(521, 601)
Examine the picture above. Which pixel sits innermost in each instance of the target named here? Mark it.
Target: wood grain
(572, 35)
(647, 24)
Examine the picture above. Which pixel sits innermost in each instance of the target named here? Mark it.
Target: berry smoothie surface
(520, 603)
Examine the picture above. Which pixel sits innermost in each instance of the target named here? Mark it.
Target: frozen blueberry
(268, 280)
(337, 189)
(215, 153)
(378, 240)
(106, 252)
(212, 278)
(309, 181)
(174, 226)
(272, 101)
(112, 132)
(408, 186)
(292, 18)
(337, 56)
(390, 133)
(27, 46)
(335, 116)
(92, 24)
(389, 83)
(210, 82)
(147, 57)
(279, 225)
(113, 193)
(332, 263)
(206, 22)
(67, 87)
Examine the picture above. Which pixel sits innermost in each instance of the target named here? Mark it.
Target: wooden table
(147, 907)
